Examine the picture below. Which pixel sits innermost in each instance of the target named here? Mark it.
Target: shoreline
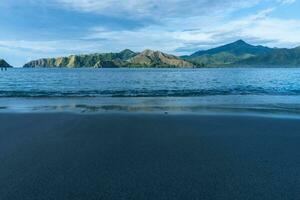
(148, 156)
(267, 106)
(179, 68)
(218, 114)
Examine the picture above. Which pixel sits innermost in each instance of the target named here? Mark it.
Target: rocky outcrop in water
(4, 64)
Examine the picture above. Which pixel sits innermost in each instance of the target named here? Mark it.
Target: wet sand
(148, 156)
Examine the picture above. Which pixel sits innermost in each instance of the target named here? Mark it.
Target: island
(242, 54)
(4, 64)
(125, 58)
(236, 54)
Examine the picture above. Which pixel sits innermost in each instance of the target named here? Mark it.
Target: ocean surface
(191, 90)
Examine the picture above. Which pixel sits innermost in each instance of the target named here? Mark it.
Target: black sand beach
(147, 156)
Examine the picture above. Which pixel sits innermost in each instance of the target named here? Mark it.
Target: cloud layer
(174, 26)
(156, 8)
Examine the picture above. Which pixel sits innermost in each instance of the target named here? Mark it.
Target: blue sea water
(153, 89)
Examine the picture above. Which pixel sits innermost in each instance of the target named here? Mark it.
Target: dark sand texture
(136, 156)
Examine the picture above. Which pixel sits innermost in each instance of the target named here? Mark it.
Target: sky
(32, 29)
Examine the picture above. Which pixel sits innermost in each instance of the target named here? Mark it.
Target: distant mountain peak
(127, 54)
(153, 58)
(127, 51)
(237, 48)
(240, 42)
(297, 47)
(148, 51)
(152, 53)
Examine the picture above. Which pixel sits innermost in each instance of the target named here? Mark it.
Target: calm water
(278, 88)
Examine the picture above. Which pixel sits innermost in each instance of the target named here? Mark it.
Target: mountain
(4, 64)
(236, 54)
(149, 58)
(126, 58)
(90, 60)
(278, 57)
(239, 48)
(127, 54)
(227, 54)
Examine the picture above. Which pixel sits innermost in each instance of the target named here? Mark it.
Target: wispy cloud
(156, 8)
(180, 37)
(286, 1)
(19, 52)
(48, 46)
(174, 26)
(176, 36)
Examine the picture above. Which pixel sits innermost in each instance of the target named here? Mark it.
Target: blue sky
(32, 29)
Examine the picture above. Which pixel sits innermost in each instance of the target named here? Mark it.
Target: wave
(149, 93)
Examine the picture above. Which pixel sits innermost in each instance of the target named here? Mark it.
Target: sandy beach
(148, 156)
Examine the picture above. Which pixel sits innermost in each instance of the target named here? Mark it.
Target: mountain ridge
(238, 47)
(235, 54)
(152, 58)
(279, 57)
(228, 54)
(125, 58)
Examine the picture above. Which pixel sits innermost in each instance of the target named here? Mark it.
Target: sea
(225, 90)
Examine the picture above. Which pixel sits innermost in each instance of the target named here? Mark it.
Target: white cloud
(261, 27)
(257, 28)
(19, 52)
(156, 8)
(183, 26)
(174, 34)
(46, 46)
(286, 1)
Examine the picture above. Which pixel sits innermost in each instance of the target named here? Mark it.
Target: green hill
(238, 48)
(126, 58)
(236, 54)
(150, 58)
(227, 55)
(80, 61)
(278, 57)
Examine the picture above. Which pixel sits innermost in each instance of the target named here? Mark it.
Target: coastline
(148, 156)
(246, 105)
